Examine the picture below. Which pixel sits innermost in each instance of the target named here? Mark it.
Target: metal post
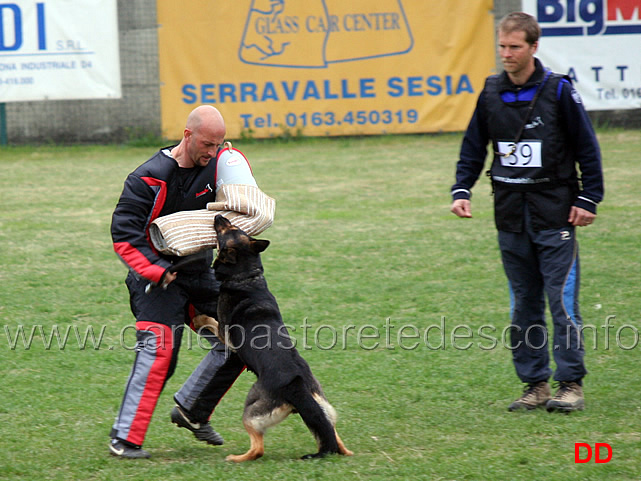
(3, 124)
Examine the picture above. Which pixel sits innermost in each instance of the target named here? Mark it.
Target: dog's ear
(227, 256)
(259, 245)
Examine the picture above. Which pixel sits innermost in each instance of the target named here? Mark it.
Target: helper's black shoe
(122, 450)
(202, 431)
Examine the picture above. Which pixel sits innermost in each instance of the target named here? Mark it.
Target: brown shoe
(534, 395)
(568, 398)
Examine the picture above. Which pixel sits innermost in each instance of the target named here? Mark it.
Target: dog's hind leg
(318, 415)
(341, 446)
(257, 448)
(256, 427)
(261, 413)
(329, 410)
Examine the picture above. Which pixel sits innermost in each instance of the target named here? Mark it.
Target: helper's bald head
(204, 133)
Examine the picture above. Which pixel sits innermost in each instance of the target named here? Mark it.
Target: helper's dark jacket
(561, 125)
(158, 187)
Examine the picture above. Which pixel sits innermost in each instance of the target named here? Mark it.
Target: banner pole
(3, 124)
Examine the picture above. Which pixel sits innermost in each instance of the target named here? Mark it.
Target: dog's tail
(318, 414)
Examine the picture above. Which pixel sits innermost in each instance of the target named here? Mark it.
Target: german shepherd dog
(249, 322)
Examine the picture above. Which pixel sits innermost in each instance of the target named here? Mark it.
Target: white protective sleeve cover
(238, 198)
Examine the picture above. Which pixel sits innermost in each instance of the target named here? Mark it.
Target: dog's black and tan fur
(250, 323)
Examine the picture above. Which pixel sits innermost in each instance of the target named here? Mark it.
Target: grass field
(398, 306)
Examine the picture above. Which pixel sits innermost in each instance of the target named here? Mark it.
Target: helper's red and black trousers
(161, 316)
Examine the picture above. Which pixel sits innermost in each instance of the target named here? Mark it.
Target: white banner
(597, 43)
(59, 50)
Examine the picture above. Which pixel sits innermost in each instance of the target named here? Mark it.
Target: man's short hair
(521, 22)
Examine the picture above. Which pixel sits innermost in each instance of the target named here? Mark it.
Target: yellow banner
(325, 67)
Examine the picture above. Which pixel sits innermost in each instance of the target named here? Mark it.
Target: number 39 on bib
(526, 154)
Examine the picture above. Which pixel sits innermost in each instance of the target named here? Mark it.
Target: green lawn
(398, 306)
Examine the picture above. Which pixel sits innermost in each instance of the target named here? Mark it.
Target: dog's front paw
(203, 321)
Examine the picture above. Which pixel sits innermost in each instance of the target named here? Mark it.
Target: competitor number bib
(526, 154)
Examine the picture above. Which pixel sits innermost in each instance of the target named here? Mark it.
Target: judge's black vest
(541, 174)
(542, 159)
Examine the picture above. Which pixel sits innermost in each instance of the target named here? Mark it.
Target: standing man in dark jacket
(539, 132)
(177, 178)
